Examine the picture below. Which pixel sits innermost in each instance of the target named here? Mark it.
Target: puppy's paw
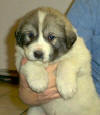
(36, 76)
(66, 89)
(38, 84)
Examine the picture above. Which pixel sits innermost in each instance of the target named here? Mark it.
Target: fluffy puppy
(45, 36)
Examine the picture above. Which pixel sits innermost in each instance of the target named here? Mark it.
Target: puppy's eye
(31, 35)
(51, 37)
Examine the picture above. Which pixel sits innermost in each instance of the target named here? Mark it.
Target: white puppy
(45, 36)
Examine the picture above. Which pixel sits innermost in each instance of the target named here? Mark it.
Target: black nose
(38, 54)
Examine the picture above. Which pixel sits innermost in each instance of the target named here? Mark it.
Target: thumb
(24, 60)
(51, 68)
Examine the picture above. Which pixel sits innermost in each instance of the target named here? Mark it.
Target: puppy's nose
(38, 54)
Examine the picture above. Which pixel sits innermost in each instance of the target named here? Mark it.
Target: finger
(52, 81)
(51, 91)
(57, 95)
(51, 85)
(24, 60)
(48, 92)
(48, 97)
(51, 68)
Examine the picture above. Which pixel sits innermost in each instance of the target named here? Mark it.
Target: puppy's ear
(19, 38)
(70, 38)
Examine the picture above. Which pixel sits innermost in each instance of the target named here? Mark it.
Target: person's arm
(32, 98)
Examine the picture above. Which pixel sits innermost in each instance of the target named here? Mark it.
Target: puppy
(45, 36)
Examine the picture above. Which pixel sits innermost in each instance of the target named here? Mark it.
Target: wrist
(28, 97)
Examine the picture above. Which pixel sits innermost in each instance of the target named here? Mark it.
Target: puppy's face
(44, 36)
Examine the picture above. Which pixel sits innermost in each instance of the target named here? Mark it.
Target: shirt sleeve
(82, 16)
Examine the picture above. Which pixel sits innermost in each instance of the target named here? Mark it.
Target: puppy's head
(45, 35)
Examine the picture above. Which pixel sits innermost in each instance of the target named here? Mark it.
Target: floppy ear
(19, 38)
(70, 38)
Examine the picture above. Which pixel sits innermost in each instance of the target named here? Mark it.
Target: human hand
(32, 98)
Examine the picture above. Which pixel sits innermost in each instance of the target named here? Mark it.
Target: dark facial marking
(71, 38)
(59, 48)
(27, 31)
(19, 38)
(60, 39)
(63, 45)
(24, 39)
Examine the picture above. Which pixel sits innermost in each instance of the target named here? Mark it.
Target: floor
(10, 104)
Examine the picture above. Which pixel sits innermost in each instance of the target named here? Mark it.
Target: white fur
(74, 81)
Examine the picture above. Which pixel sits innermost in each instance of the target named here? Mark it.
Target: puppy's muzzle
(38, 54)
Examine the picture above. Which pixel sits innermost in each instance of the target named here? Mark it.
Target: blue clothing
(85, 16)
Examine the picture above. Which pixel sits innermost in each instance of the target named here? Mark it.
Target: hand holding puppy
(32, 98)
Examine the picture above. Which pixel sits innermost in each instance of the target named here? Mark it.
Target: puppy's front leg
(35, 75)
(66, 78)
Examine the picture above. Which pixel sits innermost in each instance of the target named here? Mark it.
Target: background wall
(10, 12)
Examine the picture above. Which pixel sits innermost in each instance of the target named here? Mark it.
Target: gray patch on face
(61, 43)
(27, 31)
(53, 25)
